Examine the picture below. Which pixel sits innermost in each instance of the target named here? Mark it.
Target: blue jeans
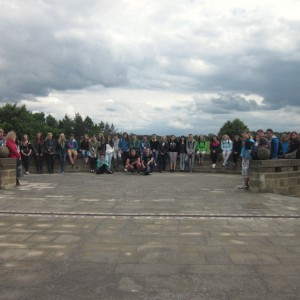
(162, 161)
(62, 160)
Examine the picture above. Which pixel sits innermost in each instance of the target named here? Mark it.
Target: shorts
(245, 167)
(72, 151)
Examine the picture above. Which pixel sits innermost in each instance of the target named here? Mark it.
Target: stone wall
(7, 173)
(281, 176)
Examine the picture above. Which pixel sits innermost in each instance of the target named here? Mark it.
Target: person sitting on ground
(294, 147)
(102, 165)
(133, 162)
(274, 143)
(201, 149)
(147, 162)
(226, 147)
(72, 150)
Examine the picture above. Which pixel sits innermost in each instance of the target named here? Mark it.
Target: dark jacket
(154, 145)
(62, 147)
(26, 148)
(173, 146)
(39, 147)
(163, 147)
(50, 146)
(294, 145)
(237, 146)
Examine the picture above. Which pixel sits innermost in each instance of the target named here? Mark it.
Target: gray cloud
(187, 48)
(228, 103)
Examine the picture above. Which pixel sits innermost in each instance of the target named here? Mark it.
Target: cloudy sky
(154, 66)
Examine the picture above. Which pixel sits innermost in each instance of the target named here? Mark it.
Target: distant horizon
(149, 132)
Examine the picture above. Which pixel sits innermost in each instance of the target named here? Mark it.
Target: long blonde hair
(61, 138)
(11, 135)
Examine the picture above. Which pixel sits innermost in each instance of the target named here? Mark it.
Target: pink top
(13, 149)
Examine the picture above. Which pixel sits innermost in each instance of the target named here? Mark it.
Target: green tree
(107, 129)
(23, 121)
(66, 125)
(88, 125)
(51, 121)
(39, 117)
(79, 126)
(101, 126)
(232, 128)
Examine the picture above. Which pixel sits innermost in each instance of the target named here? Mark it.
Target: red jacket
(13, 149)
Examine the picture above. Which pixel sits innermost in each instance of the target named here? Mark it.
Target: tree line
(23, 121)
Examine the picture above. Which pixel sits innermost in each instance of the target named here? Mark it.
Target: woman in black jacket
(163, 148)
(236, 149)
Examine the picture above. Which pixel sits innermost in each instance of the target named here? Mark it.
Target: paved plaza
(164, 236)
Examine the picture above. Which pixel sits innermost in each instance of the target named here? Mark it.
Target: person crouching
(133, 162)
(147, 162)
(102, 165)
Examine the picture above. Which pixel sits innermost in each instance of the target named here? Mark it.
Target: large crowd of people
(106, 154)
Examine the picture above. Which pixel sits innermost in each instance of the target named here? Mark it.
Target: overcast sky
(154, 66)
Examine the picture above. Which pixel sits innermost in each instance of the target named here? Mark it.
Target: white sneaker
(27, 173)
(125, 170)
(213, 166)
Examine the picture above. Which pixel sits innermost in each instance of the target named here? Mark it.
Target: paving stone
(146, 269)
(65, 238)
(95, 251)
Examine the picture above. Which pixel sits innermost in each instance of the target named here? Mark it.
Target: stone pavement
(165, 236)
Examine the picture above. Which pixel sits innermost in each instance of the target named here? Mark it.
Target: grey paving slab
(165, 236)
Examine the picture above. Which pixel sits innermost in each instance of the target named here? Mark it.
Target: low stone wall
(7, 173)
(280, 176)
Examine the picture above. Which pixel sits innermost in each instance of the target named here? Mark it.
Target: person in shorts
(246, 157)
(72, 150)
